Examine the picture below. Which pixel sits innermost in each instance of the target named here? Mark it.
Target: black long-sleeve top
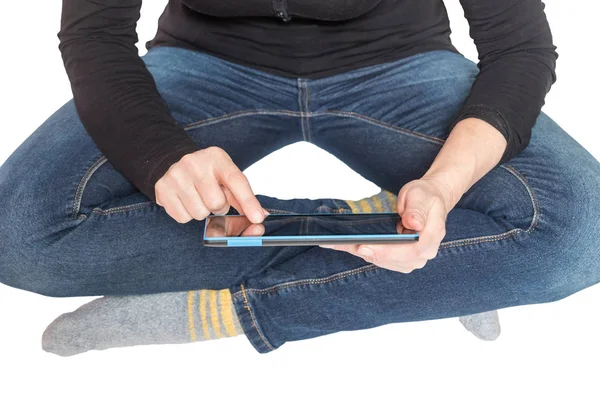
(118, 103)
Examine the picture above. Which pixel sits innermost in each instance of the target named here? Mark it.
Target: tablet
(306, 230)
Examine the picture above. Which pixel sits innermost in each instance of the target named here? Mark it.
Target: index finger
(235, 180)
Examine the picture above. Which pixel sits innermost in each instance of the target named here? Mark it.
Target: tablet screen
(309, 225)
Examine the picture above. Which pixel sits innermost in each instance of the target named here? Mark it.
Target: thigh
(389, 121)
(72, 224)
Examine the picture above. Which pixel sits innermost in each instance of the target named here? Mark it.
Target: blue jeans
(526, 233)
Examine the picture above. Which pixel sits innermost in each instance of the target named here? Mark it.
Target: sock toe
(58, 338)
(485, 326)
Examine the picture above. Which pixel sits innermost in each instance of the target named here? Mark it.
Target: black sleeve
(517, 61)
(114, 93)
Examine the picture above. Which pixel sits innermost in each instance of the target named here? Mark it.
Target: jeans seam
(301, 114)
(306, 282)
(279, 211)
(119, 209)
(238, 114)
(375, 121)
(146, 204)
(339, 210)
(307, 111)
(254, 323)
(300, 108)
(501, 236)
(537, 212)
(83, 182)
(480, 239)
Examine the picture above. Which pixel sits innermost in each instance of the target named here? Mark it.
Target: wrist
(449, 193)
(471, 150)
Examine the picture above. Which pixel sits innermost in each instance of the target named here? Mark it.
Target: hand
(423, 207)
(206, 181)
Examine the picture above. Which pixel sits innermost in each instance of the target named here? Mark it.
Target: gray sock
(162, 318)
(486, 325)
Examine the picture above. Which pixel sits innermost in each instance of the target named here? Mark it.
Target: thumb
(414, 210)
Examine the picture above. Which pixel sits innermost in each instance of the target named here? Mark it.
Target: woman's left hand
(423, 205)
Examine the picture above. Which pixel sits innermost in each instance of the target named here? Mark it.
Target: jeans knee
(568, 259)
(28, 263)
(19, 269)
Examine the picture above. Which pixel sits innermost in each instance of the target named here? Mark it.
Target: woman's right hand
(206, 181)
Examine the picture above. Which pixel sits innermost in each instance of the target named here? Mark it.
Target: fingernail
(365, 251)
(266, 212)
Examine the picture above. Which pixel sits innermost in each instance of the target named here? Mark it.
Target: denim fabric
(526, 233)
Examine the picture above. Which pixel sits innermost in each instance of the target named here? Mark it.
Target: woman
(108, 196)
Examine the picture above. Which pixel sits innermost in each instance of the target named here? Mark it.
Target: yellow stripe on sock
(192, 327)
(378, 205)
(202, 306)
(353, 206)
(214, 314)
(365, 206)
(392, 199)
(227, 312)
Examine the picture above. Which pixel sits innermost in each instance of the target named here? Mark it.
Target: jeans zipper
(280, 7)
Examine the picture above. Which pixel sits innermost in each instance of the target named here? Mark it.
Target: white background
(544, 351)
